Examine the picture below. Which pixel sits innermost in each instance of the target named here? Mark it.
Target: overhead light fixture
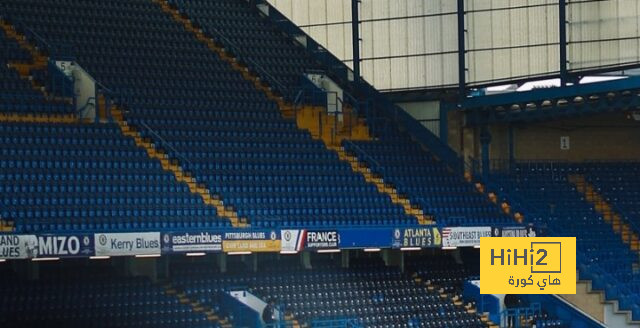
(371, 250)
(288, 252)
(99, 257)
(449, 247)
(239, 253)
(328, 251)
(409, 249)
(196, 254)
(476, 246)
(148, 255)
(42, 259)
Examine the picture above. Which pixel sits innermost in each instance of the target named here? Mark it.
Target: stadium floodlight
(45, 259)
(449, 247)
(288, 252)
(368, 250)
(196, 254)
(99, 257)
(148, 255)
(408, 249)
(328, 251)
(239, 253)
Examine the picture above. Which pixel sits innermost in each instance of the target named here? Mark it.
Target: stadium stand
(195, 140)
(552, 195)
(91, 296)
(259, 43)
(376, 295)
(89, 177)
(21, 79)
(427, 181)
(618, 186)
(231, 137)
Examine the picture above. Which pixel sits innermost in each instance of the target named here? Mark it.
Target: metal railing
(399, 186)
(367, 158)
(552, 231)
(281, 324)
(91, 102)
(262, 73)
(57, 50)
(61, 82)
(316, 95)
(381, 107)
(165, 144)
(513, 318)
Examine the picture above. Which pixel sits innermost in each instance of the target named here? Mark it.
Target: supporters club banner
(251, 241)
(65, 246)
(300, 239)
(528, 231)
(416, 237)
(18, 246)
(122, 244)
(182, 242)
(464, 236)
(32, 246)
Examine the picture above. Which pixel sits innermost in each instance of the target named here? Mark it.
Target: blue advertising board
(423, 237)
(366, 238)
(63, 245)
(25, 246)
(46, 245)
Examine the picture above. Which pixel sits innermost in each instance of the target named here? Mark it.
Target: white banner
(464, 236)
(292, 240)
(118, 244)
(18, 246)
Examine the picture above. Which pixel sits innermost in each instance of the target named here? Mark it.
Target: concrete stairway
(593, 303)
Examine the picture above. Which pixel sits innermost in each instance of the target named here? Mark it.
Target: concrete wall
(427, 112)
(464, 140)
(610, 136)
(587, 302)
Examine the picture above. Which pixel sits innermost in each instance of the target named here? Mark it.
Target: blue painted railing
(512, 317)
(243, 316)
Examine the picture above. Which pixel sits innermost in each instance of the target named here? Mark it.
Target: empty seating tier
(375, 295)
(258, 42)
(17, 94)
(91, 296)
(223, 130)
(427, 181)
(90, 177)
(553, 201)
